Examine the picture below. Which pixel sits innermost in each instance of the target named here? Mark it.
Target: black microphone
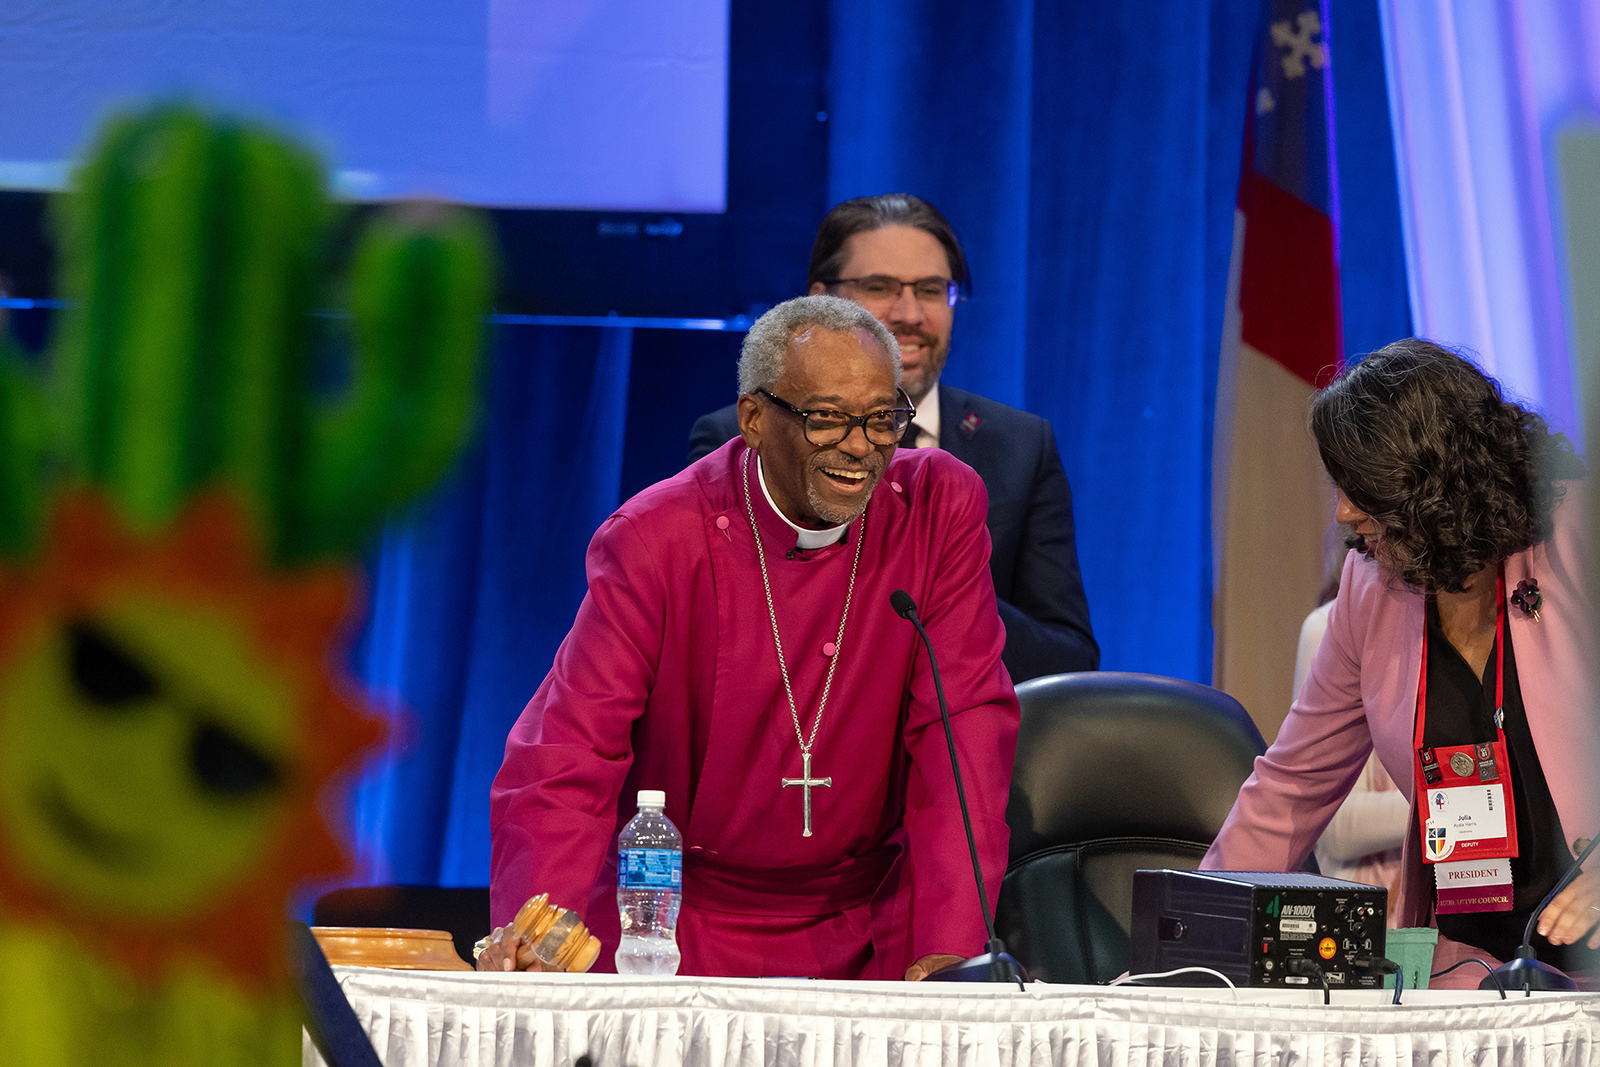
(996, 964)
(1526, 972)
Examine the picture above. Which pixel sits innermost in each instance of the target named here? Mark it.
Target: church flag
(1271, 501)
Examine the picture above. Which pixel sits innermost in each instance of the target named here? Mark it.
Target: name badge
(1465, 818)
(1463, 798)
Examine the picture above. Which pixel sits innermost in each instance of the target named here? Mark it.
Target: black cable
(1533, 969)
(1473, 959)
(1382, 965)
(1304, 966)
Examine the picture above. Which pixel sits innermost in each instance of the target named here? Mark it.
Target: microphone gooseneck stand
(996, 964)
(1526, 972)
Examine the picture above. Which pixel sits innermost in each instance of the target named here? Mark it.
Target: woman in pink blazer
(1442, 482)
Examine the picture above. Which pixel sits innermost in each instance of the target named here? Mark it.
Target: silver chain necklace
(805, 781)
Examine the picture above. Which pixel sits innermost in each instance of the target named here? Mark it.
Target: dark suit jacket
(1035, 555)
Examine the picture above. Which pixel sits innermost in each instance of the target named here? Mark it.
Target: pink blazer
(1361, 696)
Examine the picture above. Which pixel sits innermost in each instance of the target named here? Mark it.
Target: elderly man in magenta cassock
(899, 258)
(790, 537)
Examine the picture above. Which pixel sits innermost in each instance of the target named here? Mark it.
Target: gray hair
(761, 356)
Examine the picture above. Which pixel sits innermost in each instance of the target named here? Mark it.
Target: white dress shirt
(926, 420)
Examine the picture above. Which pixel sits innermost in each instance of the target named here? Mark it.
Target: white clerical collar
(926, 420)
(808, 539)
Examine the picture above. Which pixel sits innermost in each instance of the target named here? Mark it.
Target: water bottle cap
(652, 798)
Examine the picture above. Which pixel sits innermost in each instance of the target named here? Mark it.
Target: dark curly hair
(1456, 476)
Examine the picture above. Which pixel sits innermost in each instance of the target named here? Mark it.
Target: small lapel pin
(1528, 598)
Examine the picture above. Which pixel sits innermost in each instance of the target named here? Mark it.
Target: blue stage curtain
(472, 595)
(1088, 154)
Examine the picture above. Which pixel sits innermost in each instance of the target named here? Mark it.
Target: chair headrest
(1109, 754)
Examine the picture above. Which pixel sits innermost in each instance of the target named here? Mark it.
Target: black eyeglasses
(827, 426)
(884, 288)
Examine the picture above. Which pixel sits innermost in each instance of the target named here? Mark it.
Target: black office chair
(463, 912)
(1115, 773)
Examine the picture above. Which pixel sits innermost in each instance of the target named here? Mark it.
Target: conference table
(465, 1019)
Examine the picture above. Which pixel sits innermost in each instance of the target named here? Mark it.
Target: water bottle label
(650, 868)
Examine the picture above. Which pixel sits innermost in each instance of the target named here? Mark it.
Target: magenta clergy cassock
(669, 680)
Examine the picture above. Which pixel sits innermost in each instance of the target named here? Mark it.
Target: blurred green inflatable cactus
(173, 699)
(192, 254)
(24, 445)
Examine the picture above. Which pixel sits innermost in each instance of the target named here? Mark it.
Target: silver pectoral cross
(806, 782)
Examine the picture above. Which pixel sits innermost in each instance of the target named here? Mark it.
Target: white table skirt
(444, 1019)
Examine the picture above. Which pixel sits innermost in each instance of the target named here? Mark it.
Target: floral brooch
(1528, 598)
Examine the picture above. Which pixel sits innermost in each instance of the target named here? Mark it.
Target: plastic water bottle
(649, 888)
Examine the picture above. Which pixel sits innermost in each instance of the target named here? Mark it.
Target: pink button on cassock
(896, 487)
(828, 649)
(722, 522)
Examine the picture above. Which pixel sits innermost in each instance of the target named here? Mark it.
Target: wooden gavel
(559, 939)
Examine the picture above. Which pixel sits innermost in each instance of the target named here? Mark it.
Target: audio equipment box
(1260, 928)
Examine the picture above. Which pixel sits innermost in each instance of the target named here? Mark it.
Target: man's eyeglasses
(827, 426)
(883, 288)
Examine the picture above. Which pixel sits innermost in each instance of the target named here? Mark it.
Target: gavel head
(558, 936)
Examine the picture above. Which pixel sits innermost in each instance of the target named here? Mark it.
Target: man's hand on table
(507, 952)
(925, 966)
(1574, 912)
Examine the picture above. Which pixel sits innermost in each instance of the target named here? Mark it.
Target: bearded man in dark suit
(898, 257)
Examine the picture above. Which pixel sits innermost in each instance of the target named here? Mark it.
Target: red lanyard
(1499, 670)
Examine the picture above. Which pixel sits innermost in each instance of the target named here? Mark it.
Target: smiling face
(822, 486)
(921, 327)
(168, 718)
(143, 754)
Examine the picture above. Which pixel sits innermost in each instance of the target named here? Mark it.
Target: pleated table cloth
(442, 1019)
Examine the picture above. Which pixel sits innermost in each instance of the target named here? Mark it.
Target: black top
(1461, 711)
